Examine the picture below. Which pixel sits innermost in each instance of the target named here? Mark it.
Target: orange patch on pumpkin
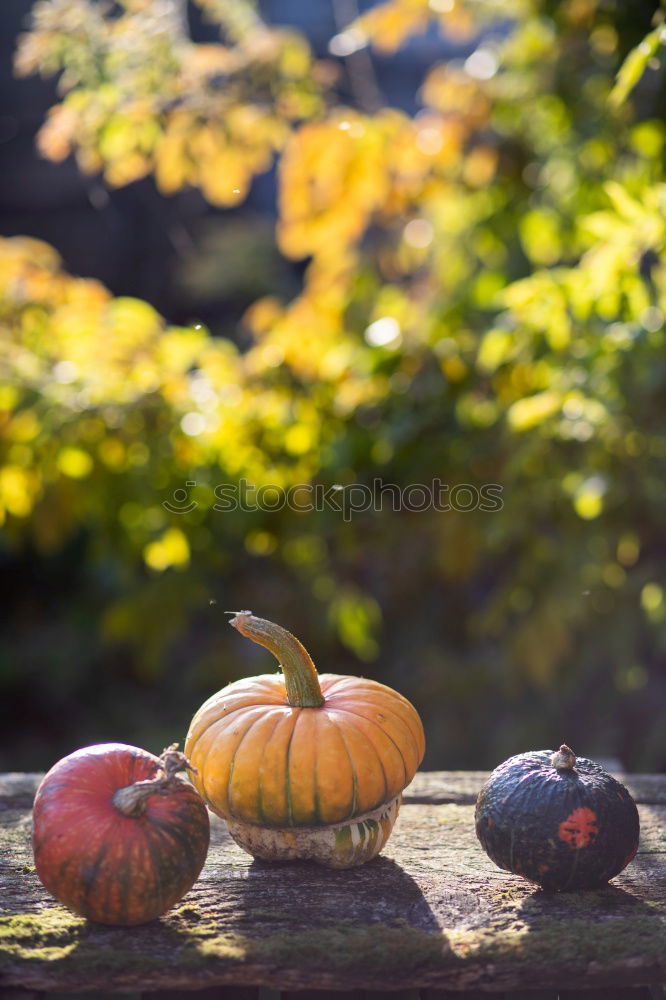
(579, 829)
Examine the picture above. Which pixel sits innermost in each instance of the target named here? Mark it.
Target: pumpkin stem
(131, 801)
(300, 674)
(564, 759)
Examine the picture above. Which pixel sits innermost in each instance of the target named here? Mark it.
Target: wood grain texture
(432, 912)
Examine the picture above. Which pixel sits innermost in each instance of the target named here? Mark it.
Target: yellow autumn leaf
(389, 24)
(126, 169)
(495, 348)
(224, 177)
(527, 413)
(170, 550)
(74, 462)
(173, 166)
(18, 489)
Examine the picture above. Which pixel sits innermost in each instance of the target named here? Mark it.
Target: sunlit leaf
(634, 66)
(171, 550)
(527, 413)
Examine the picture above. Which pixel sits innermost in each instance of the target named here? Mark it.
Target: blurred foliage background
(464, 283)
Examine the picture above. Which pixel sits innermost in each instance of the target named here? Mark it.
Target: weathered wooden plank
(622, 993)
(17, 790)
(328, 995)
(432, 913)
(348, 995)
(462, 787)
(478, 995)
(212, 993)
(15, 993)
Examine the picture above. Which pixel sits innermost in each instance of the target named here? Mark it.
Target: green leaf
(495, 348)
(634, 66)
(527, 413)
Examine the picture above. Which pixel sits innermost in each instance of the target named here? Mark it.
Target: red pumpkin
(117, 837)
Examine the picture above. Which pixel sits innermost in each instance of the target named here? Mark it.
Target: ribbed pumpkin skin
(561, 829)
(265, 762)
(105, 866)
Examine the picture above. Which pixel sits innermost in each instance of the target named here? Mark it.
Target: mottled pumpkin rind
(262, 761)
(345, 845)
(560, 829)
(111, 868)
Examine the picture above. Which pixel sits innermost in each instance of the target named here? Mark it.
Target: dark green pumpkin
(562, 822)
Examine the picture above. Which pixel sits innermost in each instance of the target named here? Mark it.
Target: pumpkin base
(341, 845)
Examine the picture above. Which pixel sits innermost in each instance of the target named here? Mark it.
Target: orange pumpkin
(301, 765)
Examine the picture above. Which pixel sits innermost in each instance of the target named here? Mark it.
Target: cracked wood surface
(432, 911)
